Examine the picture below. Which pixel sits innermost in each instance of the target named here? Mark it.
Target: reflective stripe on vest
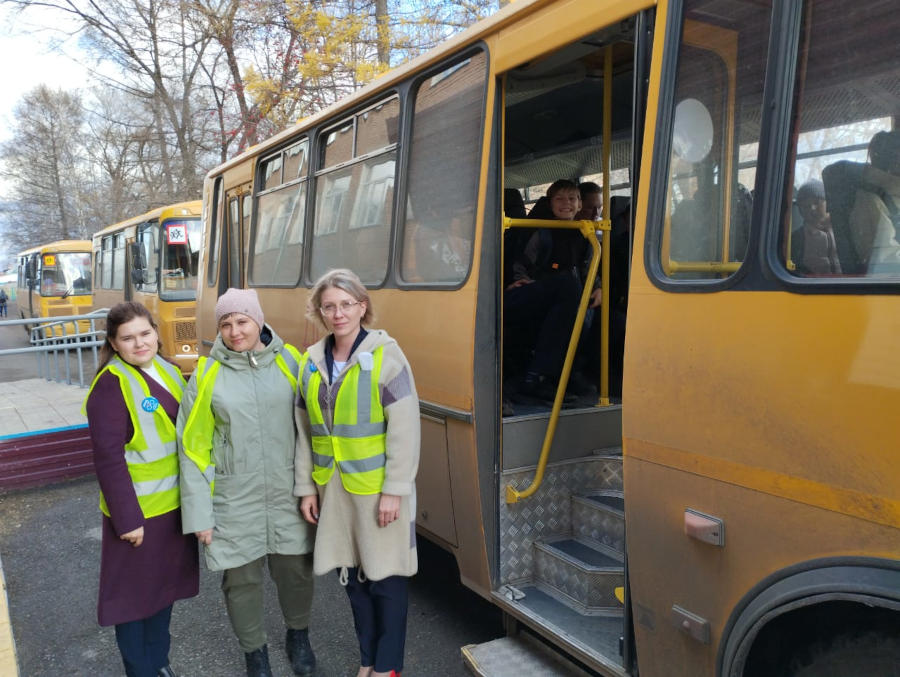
(197, 436)
(151, 453)
(357, 441)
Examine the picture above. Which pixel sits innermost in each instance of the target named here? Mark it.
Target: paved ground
(50, 548)
(29, 403)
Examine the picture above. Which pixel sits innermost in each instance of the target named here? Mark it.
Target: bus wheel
(866, 652)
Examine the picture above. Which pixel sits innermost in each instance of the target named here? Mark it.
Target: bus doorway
(569, 123)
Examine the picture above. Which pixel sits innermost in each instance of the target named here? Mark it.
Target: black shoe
(258, 662)
(300, 653)
(166, 672)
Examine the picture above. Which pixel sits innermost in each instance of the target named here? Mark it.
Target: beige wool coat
(348, 534)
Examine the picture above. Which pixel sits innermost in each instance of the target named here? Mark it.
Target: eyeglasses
(329, 309)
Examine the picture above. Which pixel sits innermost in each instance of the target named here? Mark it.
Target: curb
(8, 665)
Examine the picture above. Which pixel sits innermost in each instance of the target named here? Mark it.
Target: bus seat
(541, 209)
(841, 181)
(513, 204)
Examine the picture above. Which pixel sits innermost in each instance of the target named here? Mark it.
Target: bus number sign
(176, 233)
(49, 260)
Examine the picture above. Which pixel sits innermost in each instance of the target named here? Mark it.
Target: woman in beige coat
(357, 454)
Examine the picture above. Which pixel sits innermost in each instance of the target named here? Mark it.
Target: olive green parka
(252, 508)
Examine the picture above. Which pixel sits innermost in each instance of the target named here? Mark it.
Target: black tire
(868, 653)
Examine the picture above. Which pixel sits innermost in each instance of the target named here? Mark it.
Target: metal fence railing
(63, 346)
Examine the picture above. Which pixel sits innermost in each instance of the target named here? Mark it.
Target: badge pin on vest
(150, 404)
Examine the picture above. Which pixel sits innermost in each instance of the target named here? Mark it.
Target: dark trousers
(589, 349)
(539, 316)
(144, 644)
(379, 614)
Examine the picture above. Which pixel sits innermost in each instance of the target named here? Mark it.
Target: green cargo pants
(243, 588)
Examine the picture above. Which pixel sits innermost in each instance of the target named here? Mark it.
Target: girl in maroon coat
(146, 563)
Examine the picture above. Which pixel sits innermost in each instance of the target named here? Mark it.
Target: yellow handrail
(599, 258)
(702, 266)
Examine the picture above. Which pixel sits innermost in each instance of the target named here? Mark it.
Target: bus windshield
(66, 274)
(181, 247)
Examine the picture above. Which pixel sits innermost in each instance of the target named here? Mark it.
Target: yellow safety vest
(197, 438)
(151, 453)
(356, 443)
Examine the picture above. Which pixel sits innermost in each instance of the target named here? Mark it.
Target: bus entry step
(517, 656)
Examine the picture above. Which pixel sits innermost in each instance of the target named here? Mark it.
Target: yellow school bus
(54, 280)
(729, 501)
(152, 258)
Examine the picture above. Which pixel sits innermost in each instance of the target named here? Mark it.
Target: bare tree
(42, 163)
(158, 54)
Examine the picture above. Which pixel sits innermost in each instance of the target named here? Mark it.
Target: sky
(30, 59)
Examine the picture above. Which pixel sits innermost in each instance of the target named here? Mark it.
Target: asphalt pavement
(50, 549)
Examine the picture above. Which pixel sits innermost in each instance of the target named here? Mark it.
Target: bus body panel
(773, 412)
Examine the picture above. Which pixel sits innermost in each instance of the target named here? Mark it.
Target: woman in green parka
(236, 450)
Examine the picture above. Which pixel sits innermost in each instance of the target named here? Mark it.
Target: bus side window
(443, 174)
(106, 263)
(215, 232)
(714, 146)
(845, 179)
(277, 247)
(355, 193)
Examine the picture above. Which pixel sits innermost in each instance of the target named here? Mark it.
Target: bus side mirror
(138, 263)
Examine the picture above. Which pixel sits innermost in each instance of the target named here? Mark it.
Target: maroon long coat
(135, 583)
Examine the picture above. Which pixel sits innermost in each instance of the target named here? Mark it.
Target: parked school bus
(757, 530)
(54, 280)
(152, 258)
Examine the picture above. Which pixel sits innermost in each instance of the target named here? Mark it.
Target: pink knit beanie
(244, 301)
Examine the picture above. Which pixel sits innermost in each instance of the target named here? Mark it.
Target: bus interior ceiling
(554, 111)
(561, 550)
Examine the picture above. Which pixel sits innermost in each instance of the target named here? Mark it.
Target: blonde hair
(345, 280)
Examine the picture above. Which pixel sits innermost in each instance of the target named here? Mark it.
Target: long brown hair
(118, 315)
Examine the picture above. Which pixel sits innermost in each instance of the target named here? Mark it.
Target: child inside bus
(541, 300)
(816, 250)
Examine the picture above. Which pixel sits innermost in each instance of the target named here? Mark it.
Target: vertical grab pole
(607, 239)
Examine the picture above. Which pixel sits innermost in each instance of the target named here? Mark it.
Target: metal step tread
(584, 555)
(610, 500)
(593, 640)
(516, 656)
